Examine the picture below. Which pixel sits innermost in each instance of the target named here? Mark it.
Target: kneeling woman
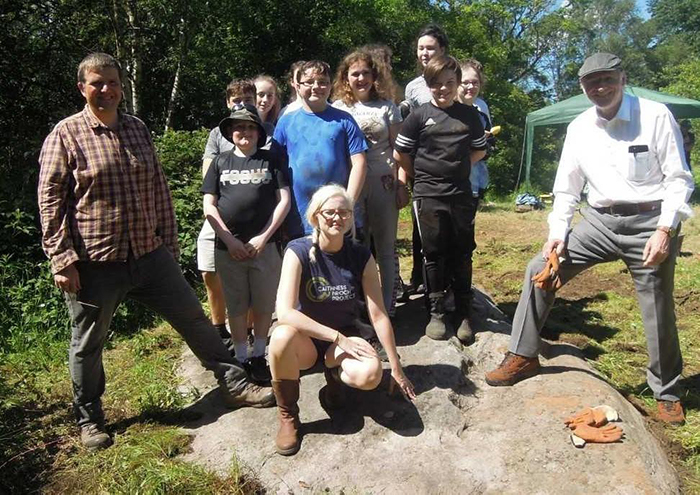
(318, 308)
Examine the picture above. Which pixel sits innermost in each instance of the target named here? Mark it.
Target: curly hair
(381, 54)
(381, 88)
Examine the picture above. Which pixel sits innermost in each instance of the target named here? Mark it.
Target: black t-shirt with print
(330, 289)
(441, 140)
(246, 188)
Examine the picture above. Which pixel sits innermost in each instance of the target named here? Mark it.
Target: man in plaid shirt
(109, 230)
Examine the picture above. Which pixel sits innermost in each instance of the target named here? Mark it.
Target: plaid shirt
(102, 193)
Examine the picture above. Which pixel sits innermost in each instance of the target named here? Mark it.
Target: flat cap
(599, 62)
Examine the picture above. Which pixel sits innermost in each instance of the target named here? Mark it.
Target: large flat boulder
(460, 435)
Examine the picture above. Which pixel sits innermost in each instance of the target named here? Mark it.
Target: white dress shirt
(597, 151)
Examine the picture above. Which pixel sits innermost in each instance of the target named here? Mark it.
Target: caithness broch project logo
(318, 289)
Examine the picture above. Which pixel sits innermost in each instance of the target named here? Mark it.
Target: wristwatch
(668, 230)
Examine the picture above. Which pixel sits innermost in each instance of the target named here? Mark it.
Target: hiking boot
(332, 396)
(436, 328)
(670, 412)
(463, 303)
(94, 436)
(465, 333)
(287, 440)
(512, 369)
(251, 395)
(377, 346)
(258, 370)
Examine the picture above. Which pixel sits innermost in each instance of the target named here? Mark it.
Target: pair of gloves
(591, 425)
(548, 279)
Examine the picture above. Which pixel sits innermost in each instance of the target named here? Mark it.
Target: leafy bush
(180, 154)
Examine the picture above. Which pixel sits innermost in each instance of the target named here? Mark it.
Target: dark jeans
(416, 250)
(446, 230)
(156, 281)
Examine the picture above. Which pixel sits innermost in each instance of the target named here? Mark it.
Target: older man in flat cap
(630, 152)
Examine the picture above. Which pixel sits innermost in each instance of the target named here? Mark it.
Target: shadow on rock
(442, 376)
(411, 318)
(572, 317)
(390, 411)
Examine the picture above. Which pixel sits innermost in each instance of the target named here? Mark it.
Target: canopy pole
(522, 157)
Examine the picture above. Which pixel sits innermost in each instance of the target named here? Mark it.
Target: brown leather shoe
(670, 412)
(252, 395)
(287, 394)
(512, 369)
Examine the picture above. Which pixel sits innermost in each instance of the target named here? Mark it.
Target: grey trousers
(380, 217)
(599, 238)
(156, 281)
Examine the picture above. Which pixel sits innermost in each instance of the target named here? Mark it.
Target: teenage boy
(446, 137)
(246, 198)
(323, 145)
(238, 91)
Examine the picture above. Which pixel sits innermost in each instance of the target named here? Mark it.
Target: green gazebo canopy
(567, 110)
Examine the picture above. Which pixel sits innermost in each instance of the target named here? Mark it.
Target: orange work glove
(548, 279)
(591, 417)
(604, 434)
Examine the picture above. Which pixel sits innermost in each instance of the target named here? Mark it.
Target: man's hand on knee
(68, 279)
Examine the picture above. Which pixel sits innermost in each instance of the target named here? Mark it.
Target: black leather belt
(627, 209)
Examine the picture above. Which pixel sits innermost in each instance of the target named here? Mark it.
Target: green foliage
(180, 154)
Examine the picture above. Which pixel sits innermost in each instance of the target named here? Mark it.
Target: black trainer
(258, 370)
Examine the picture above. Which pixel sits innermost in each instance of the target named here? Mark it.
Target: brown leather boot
(670, 412)
(287, 395)
(512, 369)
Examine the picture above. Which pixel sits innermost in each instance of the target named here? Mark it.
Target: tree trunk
(134, 64)
(115, 15)
(176, 81)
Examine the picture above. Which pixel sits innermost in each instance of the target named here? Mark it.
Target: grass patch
(40, 448)
(144, 459)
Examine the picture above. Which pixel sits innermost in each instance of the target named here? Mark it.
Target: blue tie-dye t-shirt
(318, 147)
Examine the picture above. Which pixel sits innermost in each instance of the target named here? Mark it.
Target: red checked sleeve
(55, 181)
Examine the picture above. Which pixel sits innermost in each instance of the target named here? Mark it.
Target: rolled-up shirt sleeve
(567, 189)
(678, 181)
(55, 181)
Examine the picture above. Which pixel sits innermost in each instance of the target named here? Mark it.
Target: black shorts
(323, 345)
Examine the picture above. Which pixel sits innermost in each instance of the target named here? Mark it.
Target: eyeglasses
(320, 84)
(474, 84)
(330, 214)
